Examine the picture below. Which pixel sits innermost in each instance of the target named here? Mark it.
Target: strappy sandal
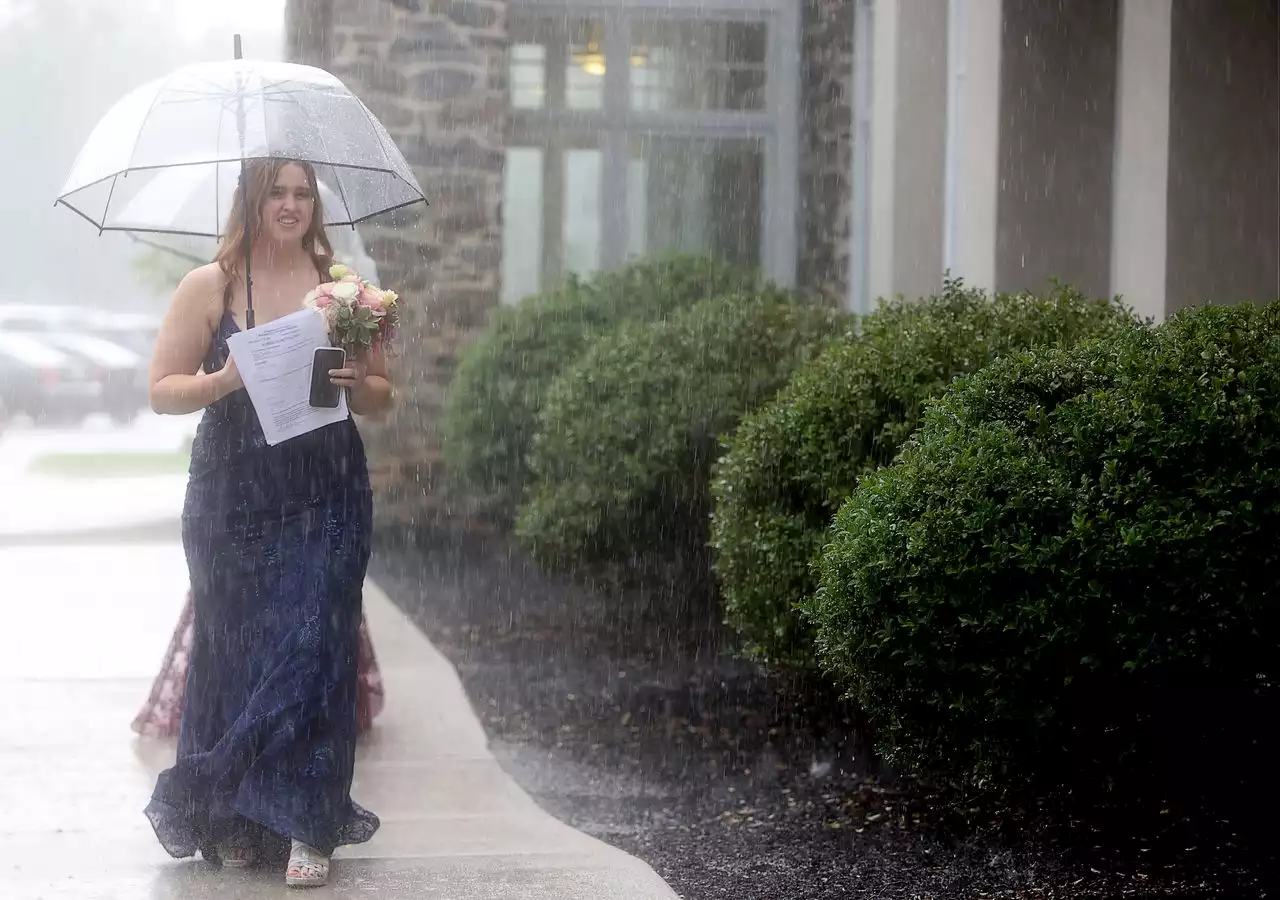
(308, 867)
(235, 855)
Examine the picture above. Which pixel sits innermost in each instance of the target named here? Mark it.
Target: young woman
(161, 714)
(277, 541)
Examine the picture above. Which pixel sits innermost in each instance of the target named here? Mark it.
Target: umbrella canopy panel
(167, 156)
(172, 195)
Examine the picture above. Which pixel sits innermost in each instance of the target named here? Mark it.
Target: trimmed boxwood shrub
(794, 461)
(629, 432)
(1075, 567)
(493, 403)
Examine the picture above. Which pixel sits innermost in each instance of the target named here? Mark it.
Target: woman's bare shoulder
(199, 295)
(204, 280)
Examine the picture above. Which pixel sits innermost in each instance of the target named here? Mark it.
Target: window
(556, 64)
(698, 65)
(696, 196)
(522, 223)
(650, 127)
(528, 76)
(581, 229)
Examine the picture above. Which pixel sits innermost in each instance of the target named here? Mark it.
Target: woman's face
(290, 203)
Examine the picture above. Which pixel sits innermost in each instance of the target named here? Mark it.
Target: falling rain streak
(814, 448)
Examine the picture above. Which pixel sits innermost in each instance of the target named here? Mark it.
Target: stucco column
(1139, 237)
(907, 147)
(973, 140)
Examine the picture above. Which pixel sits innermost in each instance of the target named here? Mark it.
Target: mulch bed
(645, 732)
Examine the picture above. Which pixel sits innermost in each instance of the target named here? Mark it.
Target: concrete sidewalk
(86, 627)
(43, 509)
(46, 508)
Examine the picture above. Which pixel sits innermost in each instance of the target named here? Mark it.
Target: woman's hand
(229, 380)
(178, 384)
(352, 375)
(365, 375)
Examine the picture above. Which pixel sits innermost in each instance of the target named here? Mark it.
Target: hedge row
(1032, 536)
(1073, 567)
(795, 461)
(492, 407)
(630, 431)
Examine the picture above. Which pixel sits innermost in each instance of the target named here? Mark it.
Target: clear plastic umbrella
(206, 121)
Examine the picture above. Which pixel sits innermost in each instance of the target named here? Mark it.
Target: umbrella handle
(248, 248)
(248, 243)
(248, 280)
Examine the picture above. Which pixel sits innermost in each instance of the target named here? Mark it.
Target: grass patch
(110, 465)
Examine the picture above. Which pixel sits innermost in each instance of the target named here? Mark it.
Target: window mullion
(614, 144)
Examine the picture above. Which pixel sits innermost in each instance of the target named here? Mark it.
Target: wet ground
(644, 732)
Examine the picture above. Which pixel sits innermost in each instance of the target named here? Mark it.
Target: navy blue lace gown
(277, 541)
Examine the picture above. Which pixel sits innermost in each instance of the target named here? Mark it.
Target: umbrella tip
(239, 49)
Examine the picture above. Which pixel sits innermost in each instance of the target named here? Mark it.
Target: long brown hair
(260, 174)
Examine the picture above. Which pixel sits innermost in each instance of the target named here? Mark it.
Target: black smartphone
(324, 393)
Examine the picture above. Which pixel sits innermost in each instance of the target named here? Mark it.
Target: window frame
(776, 127)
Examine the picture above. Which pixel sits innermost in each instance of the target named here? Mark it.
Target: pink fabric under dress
(162, 713)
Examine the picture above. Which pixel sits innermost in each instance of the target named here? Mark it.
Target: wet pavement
(87, 625)
(39, 506)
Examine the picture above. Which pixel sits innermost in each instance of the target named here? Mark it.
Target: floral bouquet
(360, 317)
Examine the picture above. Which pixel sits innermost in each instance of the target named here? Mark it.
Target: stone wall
(826, 111)
(434, 72)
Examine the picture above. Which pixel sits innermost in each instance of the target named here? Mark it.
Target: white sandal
(308, 867)
(237, 857)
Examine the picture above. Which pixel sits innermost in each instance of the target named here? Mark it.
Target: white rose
(346, 291)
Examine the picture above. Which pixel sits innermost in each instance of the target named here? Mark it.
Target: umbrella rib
(226, 98)
(189, 257)
(215, 162)
(88, 218)
(268, 92)
(137, 137)
(131, 229)
(342, 194)
(217, 181)
(204, 234)
(374, 125)
(106, 210)
(383, 212)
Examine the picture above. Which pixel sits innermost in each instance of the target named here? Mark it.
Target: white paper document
(275, 364)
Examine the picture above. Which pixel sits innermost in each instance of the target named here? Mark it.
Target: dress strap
(321, 272)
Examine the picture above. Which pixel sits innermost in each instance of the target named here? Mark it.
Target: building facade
(557, 136)
(853, 148)
(1129, 147)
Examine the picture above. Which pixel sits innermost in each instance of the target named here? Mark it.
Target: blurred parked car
(43, 383)
(114, 349)
(137, 331)
(120, 372)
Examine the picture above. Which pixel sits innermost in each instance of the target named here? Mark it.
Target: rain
(647, 449)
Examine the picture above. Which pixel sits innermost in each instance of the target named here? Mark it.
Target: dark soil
(641, 729)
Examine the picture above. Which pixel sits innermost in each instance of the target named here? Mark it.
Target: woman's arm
(371, 392)
(177, 385)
